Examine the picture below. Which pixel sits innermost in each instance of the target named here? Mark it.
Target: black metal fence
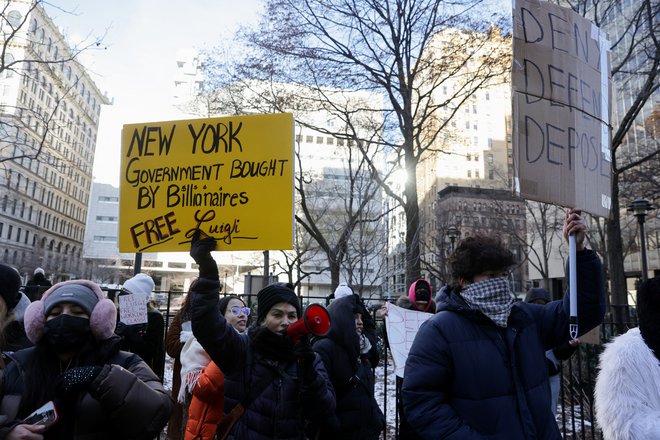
(575, 416)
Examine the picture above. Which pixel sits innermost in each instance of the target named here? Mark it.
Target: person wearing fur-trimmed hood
(345, 353)
(627, 392)
(99, 392)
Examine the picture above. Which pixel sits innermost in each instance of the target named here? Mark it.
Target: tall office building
(49, 115)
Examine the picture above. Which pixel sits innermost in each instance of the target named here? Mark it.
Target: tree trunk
(413, 266)
(617, 276)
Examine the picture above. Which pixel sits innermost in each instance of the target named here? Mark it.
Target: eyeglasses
(240, 310)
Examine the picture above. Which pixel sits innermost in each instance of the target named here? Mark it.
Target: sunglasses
(240, 310)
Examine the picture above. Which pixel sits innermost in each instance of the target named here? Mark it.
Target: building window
(14, 19)
(108, 199)
(319, 139)
(468, 157)
(106, 218)
(309, 139)
(469, 174)
(105, 239)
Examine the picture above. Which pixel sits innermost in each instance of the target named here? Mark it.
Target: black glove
(200, 250)
(305, 355)
(77, 379)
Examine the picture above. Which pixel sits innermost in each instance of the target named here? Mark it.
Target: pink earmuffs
(102, 320)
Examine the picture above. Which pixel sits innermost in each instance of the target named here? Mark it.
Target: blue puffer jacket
(281, 410)
(467, 379)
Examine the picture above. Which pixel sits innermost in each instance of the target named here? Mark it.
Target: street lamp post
(640, 208)
(453, 233)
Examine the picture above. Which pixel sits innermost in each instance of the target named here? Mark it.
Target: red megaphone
(315, 320)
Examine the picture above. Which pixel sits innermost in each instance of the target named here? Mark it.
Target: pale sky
(137, 68)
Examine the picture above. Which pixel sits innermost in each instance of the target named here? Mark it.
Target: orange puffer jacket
(207, 404)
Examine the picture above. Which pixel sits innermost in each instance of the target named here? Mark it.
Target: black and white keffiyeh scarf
(491, 297)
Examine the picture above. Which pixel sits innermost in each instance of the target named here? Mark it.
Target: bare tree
(342, 217)
(634, 34)
(379, 47)
(331, 211)
(295, 263)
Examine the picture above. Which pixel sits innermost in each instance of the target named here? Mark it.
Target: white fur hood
(627, 394)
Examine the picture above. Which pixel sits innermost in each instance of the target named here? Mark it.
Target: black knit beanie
(10, 283)
(648, 310)
(273, 294)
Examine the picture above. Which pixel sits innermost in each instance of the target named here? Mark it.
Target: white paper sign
(133, 308)
(402, 325)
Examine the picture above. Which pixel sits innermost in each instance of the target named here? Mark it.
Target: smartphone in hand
(46, 415)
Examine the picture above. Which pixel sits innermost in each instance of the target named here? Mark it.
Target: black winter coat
(279, 412)
(358, 415)
(468, 379)
(126, 400)
(146, 340)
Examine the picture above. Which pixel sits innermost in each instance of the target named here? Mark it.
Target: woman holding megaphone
(273, 387)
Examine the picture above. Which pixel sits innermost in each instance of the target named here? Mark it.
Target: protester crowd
(77, 365)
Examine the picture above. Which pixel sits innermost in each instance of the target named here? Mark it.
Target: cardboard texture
(231, 178)
(558, 156)
(561, 111)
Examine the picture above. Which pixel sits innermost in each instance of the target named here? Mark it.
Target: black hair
(477, 254)
(648, 309)
(224, 302)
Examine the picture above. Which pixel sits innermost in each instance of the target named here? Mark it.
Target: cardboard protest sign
(133, 308)
(231, 178)
(402, 325)
(561, 108)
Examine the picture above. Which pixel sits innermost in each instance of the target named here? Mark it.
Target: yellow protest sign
(230, 177)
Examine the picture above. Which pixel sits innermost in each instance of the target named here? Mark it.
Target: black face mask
(66, 333)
